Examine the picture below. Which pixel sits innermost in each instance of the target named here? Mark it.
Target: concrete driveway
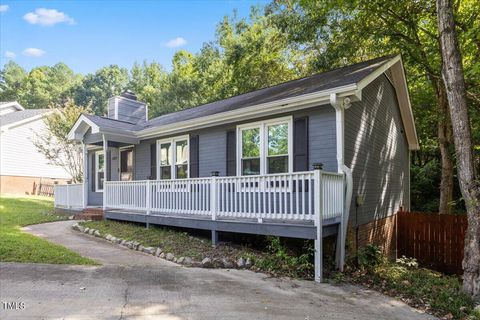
(134, 285)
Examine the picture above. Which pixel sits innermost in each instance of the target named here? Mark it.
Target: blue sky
(87, 35)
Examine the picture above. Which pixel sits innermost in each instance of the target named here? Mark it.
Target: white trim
(15, 104)
(173, 155)
(263, 125)
(115, 109)
(97, 156)
(19, 123)
(81, 120)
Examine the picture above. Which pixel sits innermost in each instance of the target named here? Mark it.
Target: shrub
(370, 256)
(407, 262)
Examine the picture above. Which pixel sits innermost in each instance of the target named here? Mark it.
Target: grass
(274, 259)
(421, 288)
(18, 246)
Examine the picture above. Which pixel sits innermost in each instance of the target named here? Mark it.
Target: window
(265, 147)
(99, 170)
(173, 155)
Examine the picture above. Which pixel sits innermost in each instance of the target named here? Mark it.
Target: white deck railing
(68, 195)
(279, 196)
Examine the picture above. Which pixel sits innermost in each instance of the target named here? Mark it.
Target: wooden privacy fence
(436, 241)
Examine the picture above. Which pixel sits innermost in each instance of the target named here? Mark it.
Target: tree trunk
(444, 135)
(453, 76)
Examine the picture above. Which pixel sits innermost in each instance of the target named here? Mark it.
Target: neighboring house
(22, 167)
(245, 164)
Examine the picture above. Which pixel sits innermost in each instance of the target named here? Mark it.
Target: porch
(307, 205)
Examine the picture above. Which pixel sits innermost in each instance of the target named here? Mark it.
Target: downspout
(340, 106)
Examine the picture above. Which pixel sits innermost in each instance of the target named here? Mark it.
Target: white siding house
(22, 167)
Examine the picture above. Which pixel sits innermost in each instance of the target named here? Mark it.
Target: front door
(126, 165)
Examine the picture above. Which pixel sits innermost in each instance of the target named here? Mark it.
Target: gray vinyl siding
(213, 144)
(131, 111)
(111, 108)
(377, 152)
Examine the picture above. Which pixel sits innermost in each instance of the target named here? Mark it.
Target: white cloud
(4, 7)
(177, 42)
(47, 17)
(33, 52)
(10, 55)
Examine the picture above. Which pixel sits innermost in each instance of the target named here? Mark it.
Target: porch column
(85, 175)
(317, 206)
(106, 168)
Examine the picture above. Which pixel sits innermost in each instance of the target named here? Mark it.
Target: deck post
(148, 200)
(106, 167)
(318, 222)
(213, 205)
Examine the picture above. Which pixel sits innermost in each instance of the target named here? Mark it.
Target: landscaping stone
(241, 263)
(217, 263)
(207, 263)
(123, 242)
(129, 244)
(91, 231)
(149, 250)
(108, 237)
(188, 261)
(140, 248)
(113, 239)
(87, 229)
(158, 251)
(181, 260)
(175, 260)
(170, 256)
(248, 263)
(227, 263)
(162, 255)
(71, 217)
(75, 226)
(81, 229)
(118, 240)
(97, 233)
(135, 244)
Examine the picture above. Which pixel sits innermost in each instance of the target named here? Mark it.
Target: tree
(11, 81)
(54, 144)
(96, 89)
(327, 32)
(453, 74)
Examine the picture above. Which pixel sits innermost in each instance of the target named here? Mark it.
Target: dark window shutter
(231, 153)
(93, 172)
(300, 144)
(153, 161)
(108, 166)
(194, 157)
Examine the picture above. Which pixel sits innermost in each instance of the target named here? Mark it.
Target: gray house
(300, 159)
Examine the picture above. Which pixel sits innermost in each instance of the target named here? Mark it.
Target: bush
(407, 262)
(369, 257)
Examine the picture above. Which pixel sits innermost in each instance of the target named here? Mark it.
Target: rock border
(224, 263)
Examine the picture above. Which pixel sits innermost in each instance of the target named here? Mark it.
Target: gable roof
(18, 116)
(300, 93)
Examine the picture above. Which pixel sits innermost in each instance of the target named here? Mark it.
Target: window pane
(165, 154)
(166, 172)
(100, 177)
(182, 152)
(182, 171)
(277, 164)
(101, 162)
(251, 143)
(250, 166)
(278, 139)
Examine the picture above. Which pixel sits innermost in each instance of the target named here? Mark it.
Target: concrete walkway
(133, 285)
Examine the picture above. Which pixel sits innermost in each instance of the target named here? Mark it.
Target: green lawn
(18, 246)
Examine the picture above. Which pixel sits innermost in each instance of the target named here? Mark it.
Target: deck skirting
(282, 229)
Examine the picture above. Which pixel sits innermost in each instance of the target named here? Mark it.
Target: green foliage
(286, 263)
(407, 262)
(370, 257)
(54, 144)
(18, 246)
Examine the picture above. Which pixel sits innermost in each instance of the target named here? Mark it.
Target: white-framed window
(99, 170)
(173, 158)
(265, 147)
